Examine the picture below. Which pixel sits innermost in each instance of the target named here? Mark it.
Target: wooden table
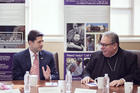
(75, 84)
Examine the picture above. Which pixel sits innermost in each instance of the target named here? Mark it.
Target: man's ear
(29, 42)
(115, 45)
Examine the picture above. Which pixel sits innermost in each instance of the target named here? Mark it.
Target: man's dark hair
(33, 34)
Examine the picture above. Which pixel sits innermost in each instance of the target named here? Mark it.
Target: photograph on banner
(96, 27)
(12, 1)
(85, 62)
(87, 2)
(98, 39)
(6, 66)
(12, 36)
(90, 42)
(75, 36)
(75, 63)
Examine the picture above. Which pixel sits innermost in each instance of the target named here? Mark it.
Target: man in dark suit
(23, 61)
(117, 63)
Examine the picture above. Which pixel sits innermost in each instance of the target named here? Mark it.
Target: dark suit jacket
(125, 66)
(22, 63)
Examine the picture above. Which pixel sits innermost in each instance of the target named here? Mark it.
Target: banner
(75, 63)
(12, 36)
(87, 2)
(84, 22)
(12, 1)
(6, 66)
(12, 24)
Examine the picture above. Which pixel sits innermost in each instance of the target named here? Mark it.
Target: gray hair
(113, 36)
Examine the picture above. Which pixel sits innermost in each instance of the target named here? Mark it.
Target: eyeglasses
(105, 45)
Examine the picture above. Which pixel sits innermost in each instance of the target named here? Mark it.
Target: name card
(10, 91)
(80, 90)
(49, 89)
(91, 84)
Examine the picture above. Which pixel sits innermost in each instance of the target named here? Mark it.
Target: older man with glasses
(116, 62)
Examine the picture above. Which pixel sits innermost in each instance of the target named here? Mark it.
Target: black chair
(137, 72)
(137, 52)
(55, 55)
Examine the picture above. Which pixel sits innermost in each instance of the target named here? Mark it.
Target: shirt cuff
(123, 80)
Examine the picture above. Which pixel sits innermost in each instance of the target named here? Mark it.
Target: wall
(130, 45)
(57, 47)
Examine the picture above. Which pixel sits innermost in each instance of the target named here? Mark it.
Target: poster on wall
(12, 14)
(90, 42)
(96, 27)
(75, 63)
(75, 37)
(12, 36)
(87, 2)
(6, 66)
(12, 24)
(84, 22)
(12, 1)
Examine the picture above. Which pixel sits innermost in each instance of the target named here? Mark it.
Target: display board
(6, 66)
(85, 21)
(12, 34)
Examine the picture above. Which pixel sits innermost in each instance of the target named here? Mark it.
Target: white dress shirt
(32, 56)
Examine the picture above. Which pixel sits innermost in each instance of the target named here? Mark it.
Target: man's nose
(41, 43)
(102, 47)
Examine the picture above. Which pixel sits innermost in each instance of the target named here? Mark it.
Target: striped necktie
(35, 67)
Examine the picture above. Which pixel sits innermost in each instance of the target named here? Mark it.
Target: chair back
(55, 55)
(137, 52)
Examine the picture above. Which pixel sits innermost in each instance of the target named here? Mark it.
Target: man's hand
(46, 73)
(117, 82)
(86, 80)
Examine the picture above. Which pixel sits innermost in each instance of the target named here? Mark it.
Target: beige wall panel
(130, 45)
(57, 47)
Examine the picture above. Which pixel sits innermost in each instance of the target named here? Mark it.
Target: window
(46, 16)
(124, 17)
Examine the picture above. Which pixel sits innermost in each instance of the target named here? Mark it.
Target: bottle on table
(107, 80)
(138, 89)
(68, 82)
(106, 83)
(26, 82)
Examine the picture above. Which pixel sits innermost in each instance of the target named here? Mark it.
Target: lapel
(27, 59)
(41, 57)
(41, 63)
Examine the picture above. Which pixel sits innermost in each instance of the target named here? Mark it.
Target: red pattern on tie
(35, 68)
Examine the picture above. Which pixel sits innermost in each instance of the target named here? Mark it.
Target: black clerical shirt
(121, 65)
(109, 67)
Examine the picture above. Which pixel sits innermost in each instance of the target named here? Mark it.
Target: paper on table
(80, 90)
(49, 89)
(91, 84)
(10, 91)
(51, 84)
